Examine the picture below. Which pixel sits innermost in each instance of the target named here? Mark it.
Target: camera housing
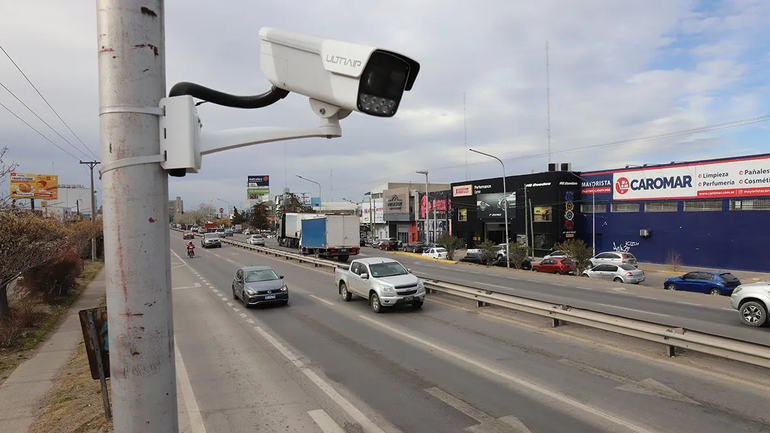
(350, 76)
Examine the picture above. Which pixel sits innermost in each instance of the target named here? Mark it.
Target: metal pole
(593, 220)
(132, 80)
(91, 165)
(319, 189)
(425, 224)
(435, 222)
(526, 219)
(372, 212)
(532, 227)
(505, 209)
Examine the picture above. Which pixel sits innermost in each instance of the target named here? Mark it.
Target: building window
(543, 241)
(702, 205)
(621, 207)
(661, 206)
(591, 208)
(542, 214)
(750, 204)
(462, 214)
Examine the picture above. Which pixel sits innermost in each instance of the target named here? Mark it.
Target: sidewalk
(27, 385)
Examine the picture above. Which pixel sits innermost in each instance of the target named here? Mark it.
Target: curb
(419, 256)
(662, 272)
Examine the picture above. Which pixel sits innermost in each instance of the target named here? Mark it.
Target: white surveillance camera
(349, 76)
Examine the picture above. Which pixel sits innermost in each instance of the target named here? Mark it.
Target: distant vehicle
(624, 273)
(614, 258)
(752, 302)
(555, 254)
(256, 285)
(390, 244)
(383, 281)
(331, 236)
(473, 258)
(499, 247)
(256, 240)
(188, 235)
(202, 230)
(228, 232)
(238, 228)
(209, 227)
(291, 228)
(436, 253)
(414, 247)
(247, 232)
(211, 240)
(556, 265)
(526, 263)
(713, 283)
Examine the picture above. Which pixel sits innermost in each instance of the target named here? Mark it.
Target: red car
(389, 244)
(188, 235)
(556, 265)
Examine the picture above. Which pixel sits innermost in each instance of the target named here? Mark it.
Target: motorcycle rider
(190, 246)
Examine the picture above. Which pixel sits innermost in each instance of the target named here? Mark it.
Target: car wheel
(670, 286)
(535, 270)
(245, 302)
(235, 296)
(617, 280)
(715, 292)
(374, 302)
(417, 305)
(584, 275)
(556, 272)
(346, 296)
(753, 313)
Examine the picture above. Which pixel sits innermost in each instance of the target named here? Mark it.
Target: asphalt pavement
(321, 364)
(710, 314)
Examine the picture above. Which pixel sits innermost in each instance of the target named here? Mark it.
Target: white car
(256, 240)
(555, 255)
(436, 253)
(752, 302)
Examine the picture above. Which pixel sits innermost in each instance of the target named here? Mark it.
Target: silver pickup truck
(384, 282)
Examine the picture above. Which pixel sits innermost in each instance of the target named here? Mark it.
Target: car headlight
(420, 284)
(251, 292)
(737, 289)
(388, 289)
(284, 288)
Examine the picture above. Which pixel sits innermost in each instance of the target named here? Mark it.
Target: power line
(41, 134)
(46, 101)
(41, 119)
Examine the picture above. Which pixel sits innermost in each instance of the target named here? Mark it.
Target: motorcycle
(191, 252)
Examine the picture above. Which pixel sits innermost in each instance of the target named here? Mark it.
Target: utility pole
(532, 227)
(435, 222)
(132, 81)
(425, 172)
(526, 218)
(91, 165)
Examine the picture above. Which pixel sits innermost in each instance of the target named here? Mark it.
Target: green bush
(489, 251)
(577, 251)
(451, 243)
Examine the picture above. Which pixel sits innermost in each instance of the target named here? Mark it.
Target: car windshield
(210, 236)
(389, 269)
(261, 275)
(728, 277)
(440, 250)
(627, 267)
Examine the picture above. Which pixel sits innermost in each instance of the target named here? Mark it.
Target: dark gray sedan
(257, 285)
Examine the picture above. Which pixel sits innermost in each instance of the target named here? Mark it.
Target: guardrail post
(481, 303)
(555, 323)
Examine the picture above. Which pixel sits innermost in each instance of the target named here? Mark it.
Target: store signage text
(462, 191)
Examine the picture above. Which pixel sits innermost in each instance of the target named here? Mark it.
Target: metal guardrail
(671, 337)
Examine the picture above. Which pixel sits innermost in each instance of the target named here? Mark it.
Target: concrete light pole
(505, 208)
(319, 189)
(132, 81)
(425, 172)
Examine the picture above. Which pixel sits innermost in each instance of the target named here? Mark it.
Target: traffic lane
(235, 384)
(504, 348)
(619, 300)
(357, 356)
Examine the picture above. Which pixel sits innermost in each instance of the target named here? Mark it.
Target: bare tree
(27, 241)
(5, 170)
(206, 212)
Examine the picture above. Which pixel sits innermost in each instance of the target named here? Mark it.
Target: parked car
(188, 235)
(220, 232)
(228, 232)
(713, 283)
(246, 232)
(256, 285)
(525, 264)
(211, 240)
(624, 273)
(390, 244)
(752, 302)
(614, 258)
(414, 247)
(383, 281)
(436, 253)
(256, 240)
(557, 265)
(555, 254)
(473, 258)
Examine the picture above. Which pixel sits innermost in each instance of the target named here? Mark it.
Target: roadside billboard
(257, 186)
(396, 200)
(491, 206)
(25, 185)
(366, 207)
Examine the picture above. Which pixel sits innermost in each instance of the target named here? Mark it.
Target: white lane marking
(215, 290)
(180, 259)
(647, 297)
(244, 315)
(324, 421)
(322, 300)
(230, 261)
(348, 407)
(250, 321)
(196, 285)
(236, 310)
(204, 281)
(559, 284)
(584, 288)
(193, 411)
(633, 309)
(460, 405)
(229, 304)
(517, 380)
(234, 253)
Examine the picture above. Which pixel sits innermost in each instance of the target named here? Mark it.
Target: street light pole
(505, 208)
(425, 226)
(227, 203)
(319, 189)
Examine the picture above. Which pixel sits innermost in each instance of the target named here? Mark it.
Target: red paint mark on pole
(152, 220)
(106, 50)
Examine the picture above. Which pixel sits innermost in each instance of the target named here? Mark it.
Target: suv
(752, 302)
(390, 244)
(614, 258)
(557, 265)
(211, 240)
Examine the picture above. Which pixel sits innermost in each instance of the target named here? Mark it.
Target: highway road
(711, 314)
(321, 364)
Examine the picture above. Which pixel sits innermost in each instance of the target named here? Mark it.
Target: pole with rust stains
(132, 80)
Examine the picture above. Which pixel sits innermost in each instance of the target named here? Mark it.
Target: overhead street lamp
(505, 208)
(425, 172)
(319, 189)
(226, 202)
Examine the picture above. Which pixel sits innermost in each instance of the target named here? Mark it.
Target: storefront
(541, 209)
(399, 214)
(711, 213)
(438, 204)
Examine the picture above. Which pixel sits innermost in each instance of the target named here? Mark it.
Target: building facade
(176, 207)
(709, 213)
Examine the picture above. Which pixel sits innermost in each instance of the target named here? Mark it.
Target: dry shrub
(53, 280)
(26, 310)
(674, 259)
(11, 333)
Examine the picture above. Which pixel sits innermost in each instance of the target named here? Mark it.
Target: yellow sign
(24, 185)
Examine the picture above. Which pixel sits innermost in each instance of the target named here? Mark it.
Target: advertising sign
(366, 207)
(542, 214)
(257, 186)
(462, 190)
(396, 200)
(491, 206)
(25, 185)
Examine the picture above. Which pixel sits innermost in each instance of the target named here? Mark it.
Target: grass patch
(63, 399)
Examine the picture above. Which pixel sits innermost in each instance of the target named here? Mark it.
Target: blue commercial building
(711, 213)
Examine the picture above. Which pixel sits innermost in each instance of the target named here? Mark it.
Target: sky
(618, 71)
